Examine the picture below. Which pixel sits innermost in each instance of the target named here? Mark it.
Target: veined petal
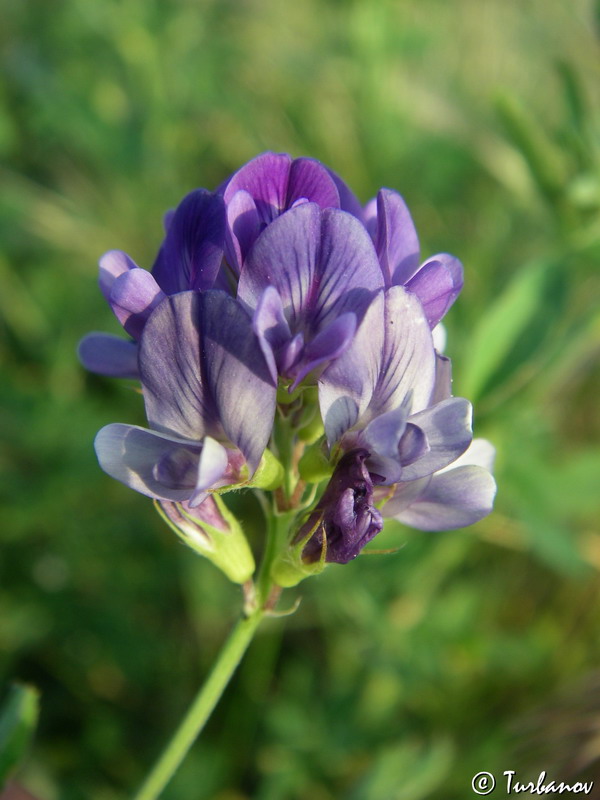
(390, 360)
(191, 253)
(271, 327)
(152, 463)
(284, 257)
(113, 264)
(109, 355)
(437, 284)
(447, 427)
(133, 296)
(203, 372)
(396, 241)
(451, 499)
(348, 272)
(310, 179)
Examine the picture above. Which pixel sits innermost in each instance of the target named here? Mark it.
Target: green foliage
(18, 718)
(402, 675)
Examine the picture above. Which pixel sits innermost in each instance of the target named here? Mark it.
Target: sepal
(213, 532)
(289, 568)
(269, 473)
(314, 466)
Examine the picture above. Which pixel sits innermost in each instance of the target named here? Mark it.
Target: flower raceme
(275, 289)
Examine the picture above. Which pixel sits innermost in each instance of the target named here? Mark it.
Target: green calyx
(226, 546)
(288, 569)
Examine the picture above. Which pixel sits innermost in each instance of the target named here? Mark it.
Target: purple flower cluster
(280, 279)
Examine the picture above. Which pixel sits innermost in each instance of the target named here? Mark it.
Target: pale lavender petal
(113, 264)
(328, 344)
(389, 361)
(271, 327)
(442, 388)
(290, 355)
(243, 227)
(191, 254)
(133, 296)
(440, 337)
(447, 427)
(396, 242)
(437, 284)
(310, 180)
(452, 499)
(480, 453)
(381, 438)
(109, 355)
(212, 465)
(265, 178)
(203, 372)
(154, 464)
(413, 444)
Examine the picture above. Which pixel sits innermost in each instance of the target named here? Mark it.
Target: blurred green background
(400, 676)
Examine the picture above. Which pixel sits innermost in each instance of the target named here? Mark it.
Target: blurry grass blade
(545, 161)
(19, 308)
(18, 719)
(531, 297)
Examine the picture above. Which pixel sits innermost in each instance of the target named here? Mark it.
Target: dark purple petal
(113, 264)
(133, 296)
(437, 284)
(390, 361)
(243, 227)
(310, 180)
(154, 464)
(447, 427)
(396, 240)
(451, 499)
(203, 372)
(265, 178)
(348, 200)
(345, 516)
(109, 355)
(192, 251)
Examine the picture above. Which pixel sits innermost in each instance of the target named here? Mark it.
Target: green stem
(206, 699)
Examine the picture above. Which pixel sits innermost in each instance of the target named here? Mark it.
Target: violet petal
(192, 251)
(109, 355)
(133, 296)
(437, 284)
(396, 242)
(113, 264)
